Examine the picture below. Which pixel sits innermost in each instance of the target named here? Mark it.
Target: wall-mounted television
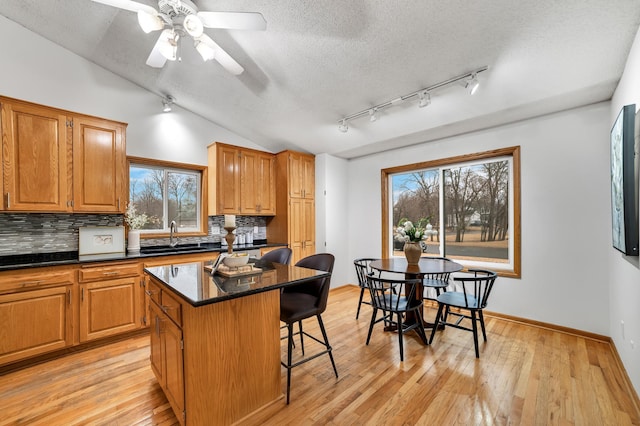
(624, 181)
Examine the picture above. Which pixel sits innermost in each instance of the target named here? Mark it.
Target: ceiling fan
(179, 18)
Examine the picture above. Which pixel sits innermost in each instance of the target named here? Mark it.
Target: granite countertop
(35, 260)
(195, 284)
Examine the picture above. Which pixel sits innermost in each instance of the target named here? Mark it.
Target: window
(469, 203)
(168, 192)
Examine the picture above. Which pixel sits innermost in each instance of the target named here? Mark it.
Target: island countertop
(195, 284)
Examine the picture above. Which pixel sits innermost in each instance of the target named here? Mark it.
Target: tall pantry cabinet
(295, 204)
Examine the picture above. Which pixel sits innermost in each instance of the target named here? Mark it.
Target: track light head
(343, 126)
(373, 114)
(425, 99)
(472, 84)
(167, 102)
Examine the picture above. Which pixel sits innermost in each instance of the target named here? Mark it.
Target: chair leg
(474, 325)
(400, 336)
(301, 336)
(373, 321)
(420, 330)
(360, 302)
(436, 323)
(484, 332)
(289, 351)
(326, 342)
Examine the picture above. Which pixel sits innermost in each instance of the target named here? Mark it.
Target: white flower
(134, 220)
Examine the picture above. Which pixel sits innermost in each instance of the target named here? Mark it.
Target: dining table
(425, 266)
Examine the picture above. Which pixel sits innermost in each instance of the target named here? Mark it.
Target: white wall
(565, 213)
(331, 213)
(36, 70)
(624, 271)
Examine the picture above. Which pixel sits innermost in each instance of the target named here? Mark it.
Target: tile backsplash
(24, 233)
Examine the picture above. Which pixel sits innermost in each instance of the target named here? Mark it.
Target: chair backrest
(442, 276)
(479, 286)
(386, 293)
(363, 268)
(320, 286)
(281, 255)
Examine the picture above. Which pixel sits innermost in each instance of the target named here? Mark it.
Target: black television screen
(624, 182)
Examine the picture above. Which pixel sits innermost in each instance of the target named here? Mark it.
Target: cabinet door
(266, 184)
(173, 359)
(35, 322)
(308, 227)
(295, 175)
(296, 229)
(228, 180)
(308, 171)
(156, 357)
(99, 166)
(109, 307)
(249, 182)
(35, 158)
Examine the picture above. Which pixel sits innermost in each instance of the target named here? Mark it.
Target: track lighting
(468, 80)
(425, 99)
(167, 102)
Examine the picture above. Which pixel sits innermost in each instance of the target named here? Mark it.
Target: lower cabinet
(35, 322)
(166, 355)
(110, 300)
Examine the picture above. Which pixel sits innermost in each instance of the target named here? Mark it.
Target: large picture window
(468, 205)
(167, 192)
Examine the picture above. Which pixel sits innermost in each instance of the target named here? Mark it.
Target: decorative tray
(226, 271)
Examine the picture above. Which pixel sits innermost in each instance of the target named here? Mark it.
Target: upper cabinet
(301, 175)
(241, 181)
(57, 161)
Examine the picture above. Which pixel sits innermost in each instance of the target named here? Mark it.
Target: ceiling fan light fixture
(193, 26)
(149, 22)
(168, 47)
(205, 50)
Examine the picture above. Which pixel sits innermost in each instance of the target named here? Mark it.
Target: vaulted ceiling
(319, 61)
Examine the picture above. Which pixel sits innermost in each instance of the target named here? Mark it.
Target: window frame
(514, 271)
(173, 166)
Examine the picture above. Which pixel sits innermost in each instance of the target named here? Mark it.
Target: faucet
(173, 228)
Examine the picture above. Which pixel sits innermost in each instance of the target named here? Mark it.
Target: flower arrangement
(407, 231)
(133, 219)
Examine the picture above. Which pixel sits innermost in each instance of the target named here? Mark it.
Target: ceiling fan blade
(222, 57)
(130, 5)
(156, 59)
(233, 20)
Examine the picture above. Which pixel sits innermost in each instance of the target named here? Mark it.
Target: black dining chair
(387, 296)
(438, 282)
(472, 300)
(363, 269)
(281, 255)
(303, 301)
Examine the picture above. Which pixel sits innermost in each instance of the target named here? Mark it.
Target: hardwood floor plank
(527, 375)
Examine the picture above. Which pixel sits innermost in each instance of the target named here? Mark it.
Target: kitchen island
(215, 341)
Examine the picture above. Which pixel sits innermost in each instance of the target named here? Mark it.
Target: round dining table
(426, 265)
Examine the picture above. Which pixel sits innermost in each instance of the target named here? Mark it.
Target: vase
(412, 251)
(133, 240)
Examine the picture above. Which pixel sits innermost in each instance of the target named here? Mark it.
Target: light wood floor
(526, 375)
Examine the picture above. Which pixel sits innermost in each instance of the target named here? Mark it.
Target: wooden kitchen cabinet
(111, 300)
(99, 166)
(166, 350)
(295, 221)
(59, 161)
(36, 313)
(241, 181)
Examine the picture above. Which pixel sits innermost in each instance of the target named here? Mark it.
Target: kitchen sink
(177, 249)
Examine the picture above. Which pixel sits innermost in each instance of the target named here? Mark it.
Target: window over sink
(165, 192)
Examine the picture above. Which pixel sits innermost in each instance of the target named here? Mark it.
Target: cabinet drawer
(171, 306)
(153, 291)
(28, 279)
(106, 271)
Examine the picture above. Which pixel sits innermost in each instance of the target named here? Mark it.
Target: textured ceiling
(321, 60)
